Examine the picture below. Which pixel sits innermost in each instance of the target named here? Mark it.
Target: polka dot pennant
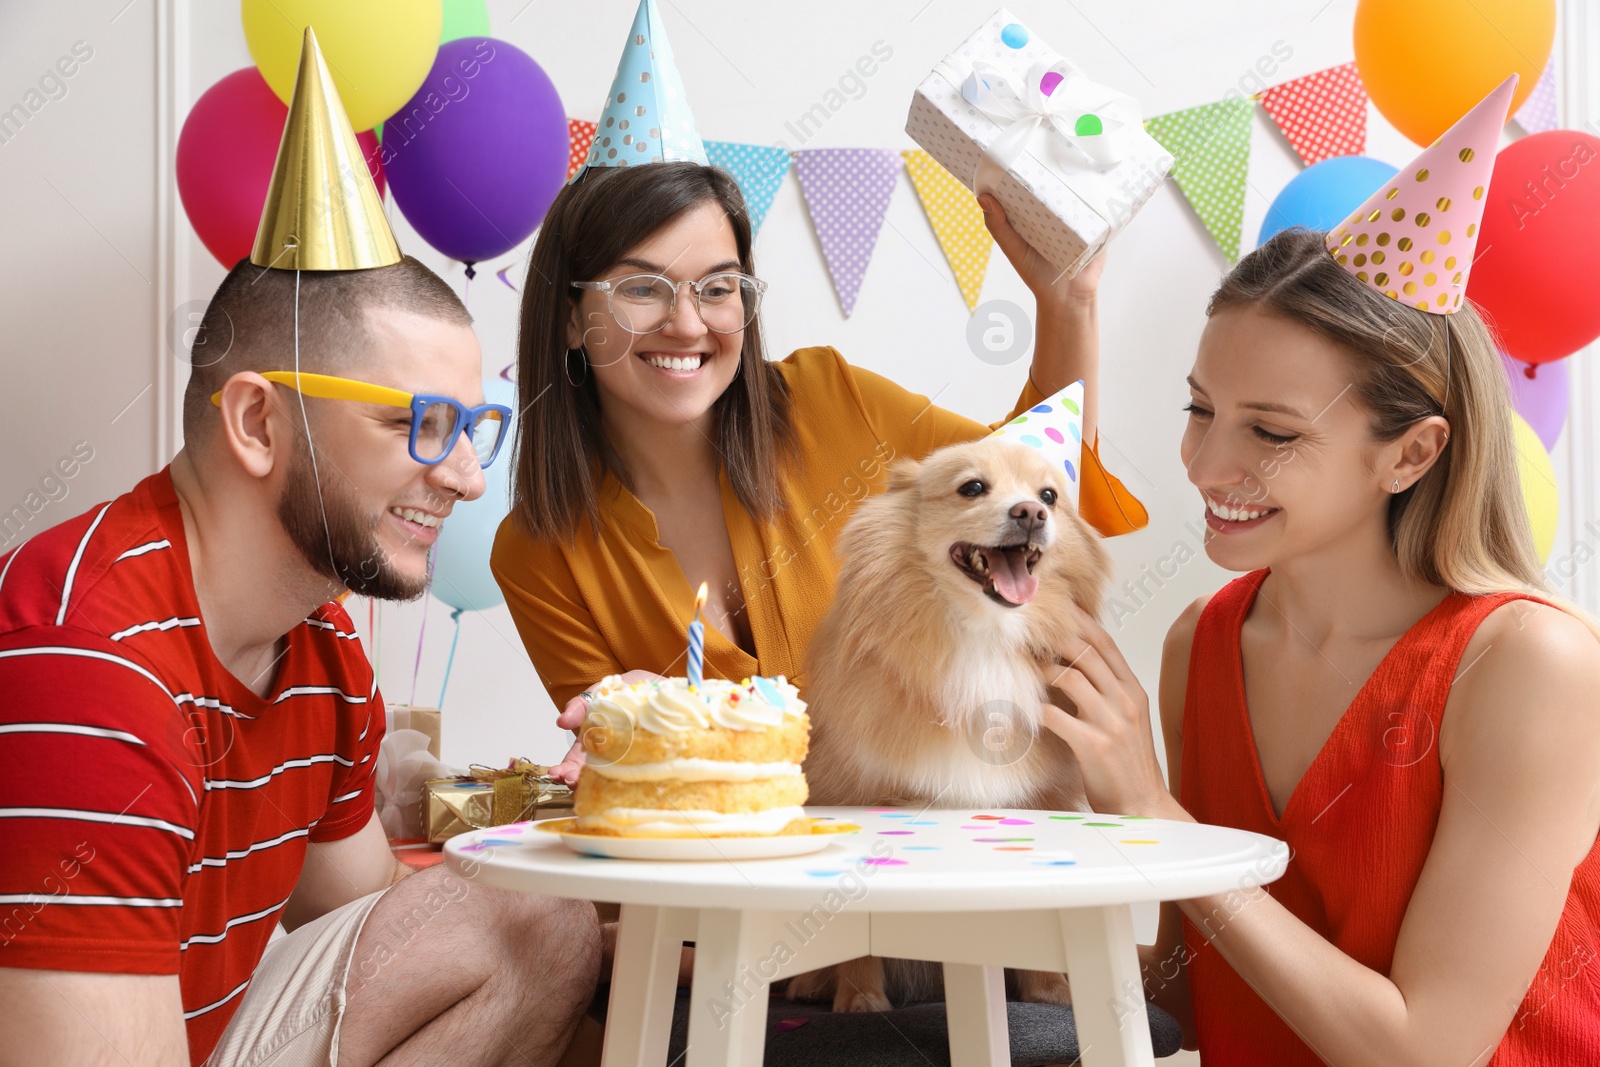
(1538, 113)
(1055, 428)
(1414, 238)
(646, 117)
(759, 170)
(956, 219)
(1211, 146)
(847, 191)
(580, 135)
(1322, 115)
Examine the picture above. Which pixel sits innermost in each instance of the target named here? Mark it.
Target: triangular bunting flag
(580, 136)
(1538, 113)
(759, 170)
(847, 191)
(1322, 115)
(1211, 144)
(957, 221)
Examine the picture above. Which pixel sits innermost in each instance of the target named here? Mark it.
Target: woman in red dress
(1391, 689)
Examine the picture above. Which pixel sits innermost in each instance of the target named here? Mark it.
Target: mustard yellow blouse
(621, 602)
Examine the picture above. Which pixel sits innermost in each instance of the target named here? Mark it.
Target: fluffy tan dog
(924, 679)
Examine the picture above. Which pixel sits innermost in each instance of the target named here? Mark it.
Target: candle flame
(700, 598)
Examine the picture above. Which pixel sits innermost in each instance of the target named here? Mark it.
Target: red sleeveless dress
(1373, 794)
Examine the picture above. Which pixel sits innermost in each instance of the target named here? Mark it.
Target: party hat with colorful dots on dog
(1055, 428)
(1414, 240)
(646, 117)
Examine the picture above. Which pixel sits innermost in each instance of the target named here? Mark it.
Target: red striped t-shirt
(154, 811)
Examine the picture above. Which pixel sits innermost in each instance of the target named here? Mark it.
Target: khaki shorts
(291, 1013)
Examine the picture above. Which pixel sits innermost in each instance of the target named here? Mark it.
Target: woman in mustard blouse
(660, 449)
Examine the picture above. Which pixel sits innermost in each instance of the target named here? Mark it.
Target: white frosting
(669, 706)
(694, 769)
(672, 822)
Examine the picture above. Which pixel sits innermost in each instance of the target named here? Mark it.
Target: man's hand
(571, 718)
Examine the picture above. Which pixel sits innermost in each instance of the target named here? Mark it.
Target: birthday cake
(664, 759)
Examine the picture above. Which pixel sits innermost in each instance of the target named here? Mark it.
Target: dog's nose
(1030, 514)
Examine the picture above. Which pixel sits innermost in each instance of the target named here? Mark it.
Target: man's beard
(346, 550)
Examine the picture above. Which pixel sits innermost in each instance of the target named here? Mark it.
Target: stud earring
(1396, 487)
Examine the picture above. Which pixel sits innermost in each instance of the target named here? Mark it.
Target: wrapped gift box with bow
(1067, 158)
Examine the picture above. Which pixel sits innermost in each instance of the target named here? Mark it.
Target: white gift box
(1068, 159)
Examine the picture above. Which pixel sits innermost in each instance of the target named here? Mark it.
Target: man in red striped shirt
(189, 727)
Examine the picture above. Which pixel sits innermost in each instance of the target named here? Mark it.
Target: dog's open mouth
(1004, 571)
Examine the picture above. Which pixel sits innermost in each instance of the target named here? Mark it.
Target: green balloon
(464, 18)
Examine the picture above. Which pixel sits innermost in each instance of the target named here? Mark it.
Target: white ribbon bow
(1046, 125)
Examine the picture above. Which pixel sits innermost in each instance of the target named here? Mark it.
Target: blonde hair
(1463, 524)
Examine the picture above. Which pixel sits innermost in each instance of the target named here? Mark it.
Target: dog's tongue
(1010, 573)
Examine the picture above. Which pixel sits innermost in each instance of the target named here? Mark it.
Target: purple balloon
(1542, 399)
(478, 154)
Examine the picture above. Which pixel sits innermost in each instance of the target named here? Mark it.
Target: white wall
(93, 271)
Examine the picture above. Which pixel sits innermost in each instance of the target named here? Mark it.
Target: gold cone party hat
(322, 211)
(1414, 239)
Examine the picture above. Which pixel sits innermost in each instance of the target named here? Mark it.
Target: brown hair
(250, 323)
(560, 453)
(1463, 524)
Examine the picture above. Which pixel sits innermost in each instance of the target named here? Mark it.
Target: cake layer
(685, 822)
(694, 769)
(597, 794)
(615, 739)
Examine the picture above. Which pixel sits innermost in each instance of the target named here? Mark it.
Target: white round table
(977, 891)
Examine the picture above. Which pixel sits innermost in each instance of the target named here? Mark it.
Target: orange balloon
(1425, 63)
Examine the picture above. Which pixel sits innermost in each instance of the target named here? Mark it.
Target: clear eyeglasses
(644, 303)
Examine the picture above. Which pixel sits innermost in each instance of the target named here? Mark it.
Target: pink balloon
(225, 156)
(1540, 398)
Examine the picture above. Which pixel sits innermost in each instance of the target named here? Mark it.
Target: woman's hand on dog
(571, 718)
(1043, 278)
(1110, 733)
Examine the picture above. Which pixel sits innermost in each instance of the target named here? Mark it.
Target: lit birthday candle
(697, 640)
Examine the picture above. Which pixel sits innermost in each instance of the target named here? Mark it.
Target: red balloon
(225, 156)
(1538, 265)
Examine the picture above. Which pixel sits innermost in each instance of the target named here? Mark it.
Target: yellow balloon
(1538, 485)
(1426, 62)
(378, 50)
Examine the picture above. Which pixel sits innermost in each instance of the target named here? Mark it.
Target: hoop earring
(583, 362)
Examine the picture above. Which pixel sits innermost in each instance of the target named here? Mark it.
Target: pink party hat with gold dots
(1414, 239)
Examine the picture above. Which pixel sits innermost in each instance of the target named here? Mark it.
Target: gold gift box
(493, 797)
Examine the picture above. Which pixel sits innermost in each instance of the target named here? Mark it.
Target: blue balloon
(461, 575)
(1324, 194)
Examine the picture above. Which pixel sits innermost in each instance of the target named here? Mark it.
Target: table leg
(975, 1010)
(728, 1004)
(1107, 994)
(644, 983)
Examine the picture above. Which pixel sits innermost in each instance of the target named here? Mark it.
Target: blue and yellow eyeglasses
(436, 421)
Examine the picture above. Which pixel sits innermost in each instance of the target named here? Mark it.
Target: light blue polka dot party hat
(1055, 428)
(646, 117)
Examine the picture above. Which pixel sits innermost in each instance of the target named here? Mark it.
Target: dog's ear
(903, 475)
